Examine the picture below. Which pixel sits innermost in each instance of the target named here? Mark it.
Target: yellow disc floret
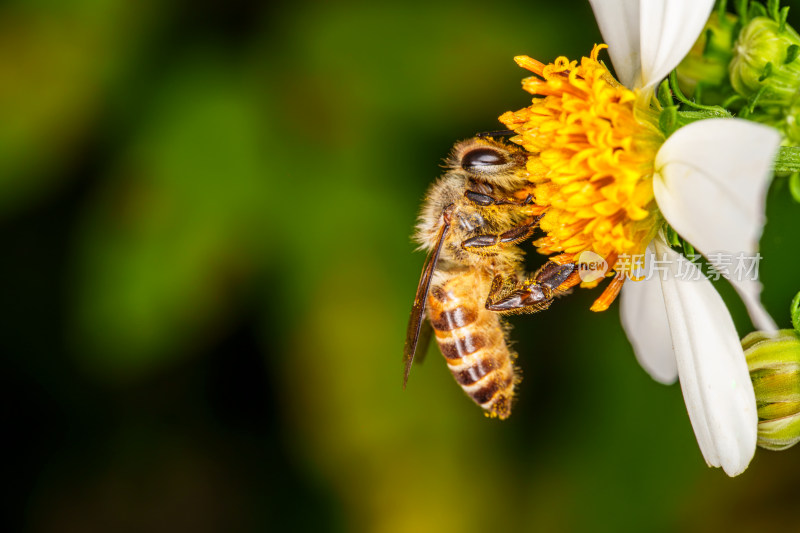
(592, 154)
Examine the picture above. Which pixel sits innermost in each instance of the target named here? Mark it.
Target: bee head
(490, 161)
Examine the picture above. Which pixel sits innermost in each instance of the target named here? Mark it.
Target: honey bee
(471, 222)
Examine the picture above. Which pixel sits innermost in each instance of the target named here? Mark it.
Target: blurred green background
(205, 210)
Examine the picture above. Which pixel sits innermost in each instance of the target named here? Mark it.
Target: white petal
(619, 24)
(668, 29)
(711, 364)
(711, 185)
(750, 291)
(644, 319)
(648, 38)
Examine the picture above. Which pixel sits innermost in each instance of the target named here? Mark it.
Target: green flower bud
(707, 61)
(765, 63)
(774, 363)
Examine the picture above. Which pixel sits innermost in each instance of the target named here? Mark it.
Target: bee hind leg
(508, 296)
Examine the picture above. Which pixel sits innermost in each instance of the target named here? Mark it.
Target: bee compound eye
(482, 157)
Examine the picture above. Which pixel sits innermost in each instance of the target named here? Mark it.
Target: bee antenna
(497, 133)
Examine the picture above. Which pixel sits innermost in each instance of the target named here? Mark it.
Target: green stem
(693, 116)
(673, 82)
(795, 309)
(788, 159)
(732, 100)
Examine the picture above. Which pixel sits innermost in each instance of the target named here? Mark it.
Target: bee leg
(534, 294)
(496, 133)
(485, 200)
(491, 244)
(519, 203)
(502, 286)
(554, 275)
(509, 297)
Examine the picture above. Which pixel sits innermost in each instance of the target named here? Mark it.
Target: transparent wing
(418, 310)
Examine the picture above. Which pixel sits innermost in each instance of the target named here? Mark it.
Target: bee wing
(425, 334)
(418, 310)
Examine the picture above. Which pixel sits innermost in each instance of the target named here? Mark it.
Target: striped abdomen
(472, 339)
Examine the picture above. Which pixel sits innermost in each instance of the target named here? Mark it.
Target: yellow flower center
(592, 154)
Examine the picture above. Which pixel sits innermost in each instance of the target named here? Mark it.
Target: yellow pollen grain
(592, 158)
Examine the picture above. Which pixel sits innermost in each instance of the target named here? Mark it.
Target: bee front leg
(491, 244)
(485, 200)
(507, 296)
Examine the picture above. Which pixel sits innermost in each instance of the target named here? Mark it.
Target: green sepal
(773, 360)
(757, 10)
(742, 9)
(779, 434)
(783, 17)
(672, 237)
(688, 251)
(668, 120)
(767, 349)
(792, 51)
(664, 94)
(767, 72)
